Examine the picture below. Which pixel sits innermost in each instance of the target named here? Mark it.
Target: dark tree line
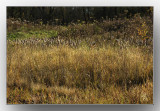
(65, 15)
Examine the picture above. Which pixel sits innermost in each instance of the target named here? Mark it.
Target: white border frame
(5, 3)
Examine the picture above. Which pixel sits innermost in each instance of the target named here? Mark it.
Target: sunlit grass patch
(79, 76)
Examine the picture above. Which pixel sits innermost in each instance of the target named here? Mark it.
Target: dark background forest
(65, 15)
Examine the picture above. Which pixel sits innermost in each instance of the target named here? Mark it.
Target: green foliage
(15, 35)
(32, 34)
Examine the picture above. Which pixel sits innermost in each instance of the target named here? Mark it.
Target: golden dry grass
(65, 75)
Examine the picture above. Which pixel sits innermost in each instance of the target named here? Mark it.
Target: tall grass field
(102, 62)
